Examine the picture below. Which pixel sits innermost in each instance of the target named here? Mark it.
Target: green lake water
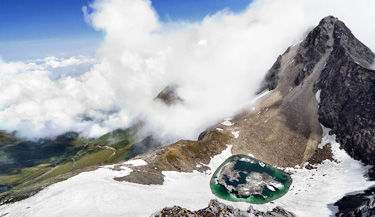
(245, 179)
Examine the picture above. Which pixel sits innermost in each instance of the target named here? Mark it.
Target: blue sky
(32, 29)
(195, 10)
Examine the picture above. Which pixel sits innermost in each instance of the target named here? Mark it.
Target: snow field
(95, 193)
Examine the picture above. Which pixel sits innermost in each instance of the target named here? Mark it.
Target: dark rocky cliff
(347, 95)
(345, 85)
(362, 204)
(345, 82)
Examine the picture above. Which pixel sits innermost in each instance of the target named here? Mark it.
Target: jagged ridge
(345, 82)
(215, 208)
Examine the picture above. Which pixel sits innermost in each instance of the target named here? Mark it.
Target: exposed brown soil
(182, 156)
(320, 155)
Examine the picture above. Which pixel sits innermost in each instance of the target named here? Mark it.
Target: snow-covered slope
(95, 193)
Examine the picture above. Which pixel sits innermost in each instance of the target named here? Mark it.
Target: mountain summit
(338, 66)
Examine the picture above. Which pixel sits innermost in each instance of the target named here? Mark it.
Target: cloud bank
(218, 64)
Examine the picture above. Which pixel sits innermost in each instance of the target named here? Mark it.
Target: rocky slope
(346, 91)
(339, 67)
(348, 95)
(215, 208)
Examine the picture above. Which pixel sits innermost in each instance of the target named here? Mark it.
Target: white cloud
(218, 64)
(37, 106)
(55, 62)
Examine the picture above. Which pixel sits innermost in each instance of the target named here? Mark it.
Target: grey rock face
(346, 84)
(272, 77)
(215, 208)
(347, 95)
(314, 47)
(311, 50)
(362, 205)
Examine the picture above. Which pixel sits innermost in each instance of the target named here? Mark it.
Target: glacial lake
(245, 179)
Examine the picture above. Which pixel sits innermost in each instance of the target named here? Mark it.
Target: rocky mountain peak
(319, 36)
(169, 95)
(306, 54)
(345, 41)
(331, 35)
(334, 62)
(343, 77)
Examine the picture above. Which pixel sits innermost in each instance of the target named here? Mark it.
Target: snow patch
(227, 123)
(317, 96)
(124, 171)
(253, 101)
(271, 188)
(247, 160)
(326, 139)
(236, 134)
(265, 92)
(219, 129)
(137, 162)
(262, 164)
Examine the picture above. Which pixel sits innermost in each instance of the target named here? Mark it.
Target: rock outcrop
(169, 95)
(215, 208)
(344, 82)
(182, 156)
(362, 204)
(347, 94)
